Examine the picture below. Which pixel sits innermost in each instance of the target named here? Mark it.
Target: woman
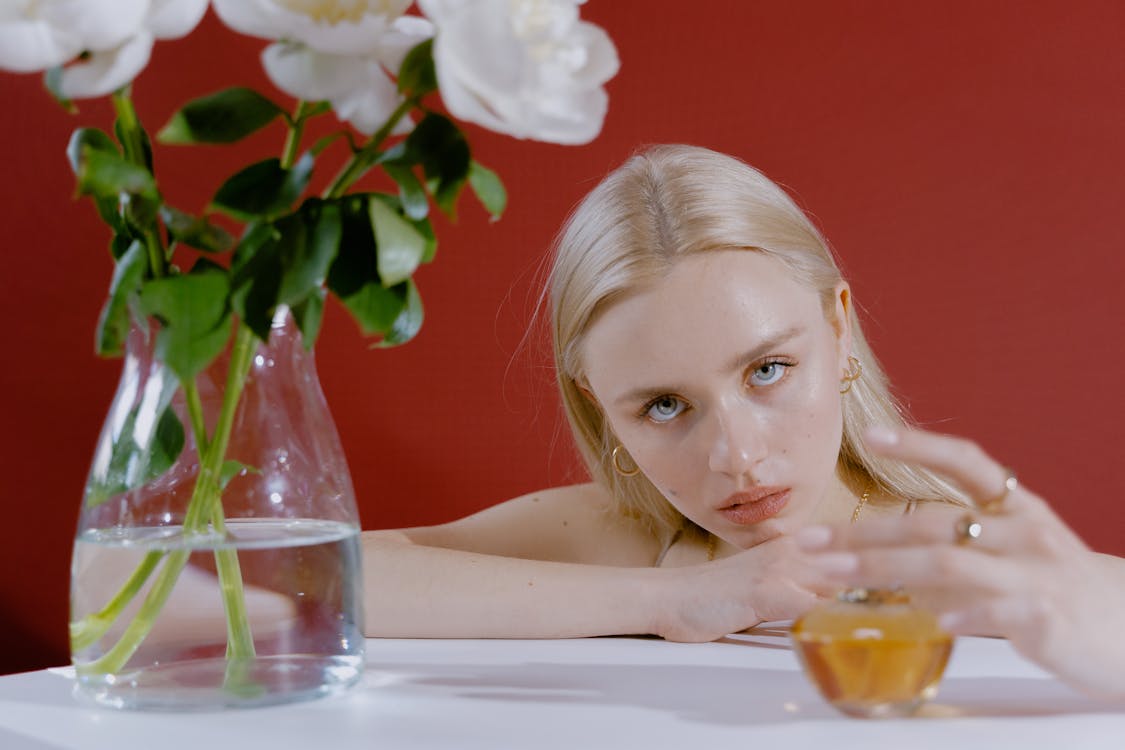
(718, 384)
(737, 426)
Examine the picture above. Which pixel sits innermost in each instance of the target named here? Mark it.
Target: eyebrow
(739, 362)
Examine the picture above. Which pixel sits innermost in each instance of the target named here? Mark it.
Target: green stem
(240, 641)
(129, 127)
(293, 139)
(206, 503)
(133, 142)
(116, 658)
(195, 414)
(89, 629)
(363, 159)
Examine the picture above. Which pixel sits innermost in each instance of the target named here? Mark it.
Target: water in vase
(303, 607)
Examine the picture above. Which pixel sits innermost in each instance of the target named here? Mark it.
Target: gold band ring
(967, 529)
(996, 504)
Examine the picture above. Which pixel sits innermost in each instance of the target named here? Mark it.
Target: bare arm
(558, 565)
(428, 592)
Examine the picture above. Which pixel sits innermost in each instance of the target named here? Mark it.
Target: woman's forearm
(414, 591)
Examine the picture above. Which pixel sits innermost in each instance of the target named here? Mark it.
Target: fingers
(960, 460)
(1006, 615)
(922, 568)
(997, 533)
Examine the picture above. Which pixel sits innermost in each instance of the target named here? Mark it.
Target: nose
(738, 443)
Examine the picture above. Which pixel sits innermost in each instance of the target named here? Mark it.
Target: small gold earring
(617, 465)
(855, 369)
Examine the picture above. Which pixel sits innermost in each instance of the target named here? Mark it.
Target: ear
(584, 387)
(842, 322)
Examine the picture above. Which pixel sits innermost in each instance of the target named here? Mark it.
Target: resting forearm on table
(413, 591)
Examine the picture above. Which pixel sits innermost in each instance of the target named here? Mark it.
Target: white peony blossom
(115, 35)
(527, 68)
(335, 50)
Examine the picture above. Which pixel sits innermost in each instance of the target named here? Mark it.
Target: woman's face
(722, 381)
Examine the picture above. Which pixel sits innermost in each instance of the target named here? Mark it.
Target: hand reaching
(1009, 567)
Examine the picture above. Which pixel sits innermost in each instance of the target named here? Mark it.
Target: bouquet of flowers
(527, 68)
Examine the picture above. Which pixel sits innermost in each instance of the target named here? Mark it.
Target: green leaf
(140, 212)
(315, 109)
(399, 246)
(109, 213)
(376, 308)
(409, 320)
(416, 75)
(138, 453)
(231, 469)
(264, 189)
(354, 275)
(427, 231)
(92, 138)
(194, 313)
(254, 287)
(195, 231)
(96, 140)
(107, 175)
(122, 131)
(355, 263)
(286, 268)
(120, 244)
(256, 277)
(223, 117)
(255, 237)
(488, 188)
(440, 146)
(326, 141)
(113, 323)
(316, 231)
(309, 314)
(410, 190)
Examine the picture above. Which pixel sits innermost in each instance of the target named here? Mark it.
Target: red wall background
(966, 159)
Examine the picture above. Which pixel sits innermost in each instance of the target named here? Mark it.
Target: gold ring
(997, 503)
(967, 529)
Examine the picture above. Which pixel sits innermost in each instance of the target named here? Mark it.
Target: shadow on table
(728, 695)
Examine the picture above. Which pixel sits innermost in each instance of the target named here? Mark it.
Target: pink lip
(755, 505)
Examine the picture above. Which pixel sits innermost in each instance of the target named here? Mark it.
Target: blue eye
(664, 409)
(768, 373)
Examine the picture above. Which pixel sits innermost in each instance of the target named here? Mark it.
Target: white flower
(115, 35)
(528, 68)
(335, 50)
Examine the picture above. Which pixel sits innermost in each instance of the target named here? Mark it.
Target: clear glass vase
(244, 594)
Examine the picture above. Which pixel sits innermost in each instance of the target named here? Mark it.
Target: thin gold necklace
(855, 517)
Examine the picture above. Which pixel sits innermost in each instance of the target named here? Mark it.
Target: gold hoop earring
(617, 465)
(855, 369)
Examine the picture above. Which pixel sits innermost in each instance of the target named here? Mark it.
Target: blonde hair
(671, 201)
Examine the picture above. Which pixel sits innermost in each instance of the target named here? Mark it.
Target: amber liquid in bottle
(872, 653)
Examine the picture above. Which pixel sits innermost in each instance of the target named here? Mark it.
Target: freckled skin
(682, 337)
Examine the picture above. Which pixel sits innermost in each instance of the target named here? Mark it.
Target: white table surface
(744, 692)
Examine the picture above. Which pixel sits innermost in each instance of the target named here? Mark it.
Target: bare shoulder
(574, 523)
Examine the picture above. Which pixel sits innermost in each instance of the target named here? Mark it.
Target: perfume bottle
(872, 653)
